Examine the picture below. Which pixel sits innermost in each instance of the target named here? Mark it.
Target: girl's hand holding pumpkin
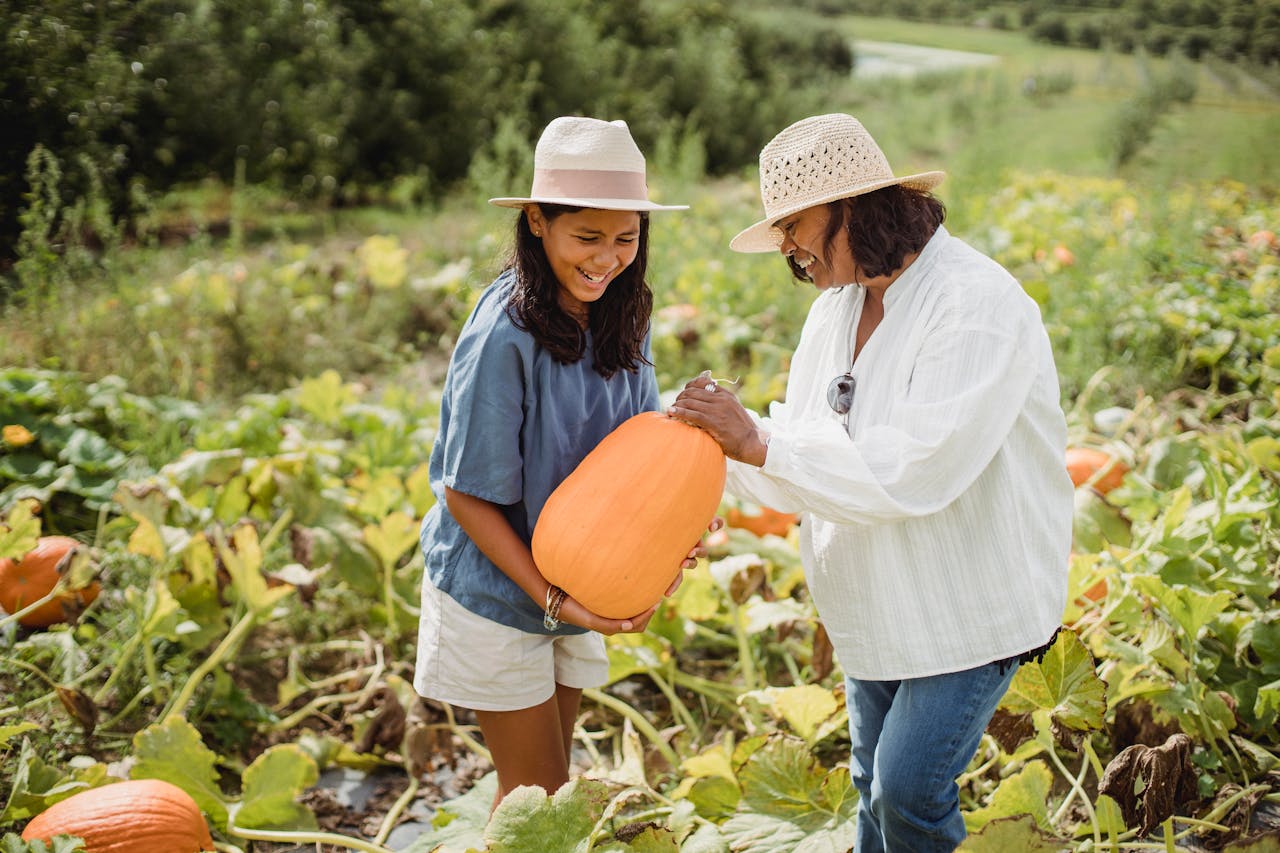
(698, 551)
(575, 614)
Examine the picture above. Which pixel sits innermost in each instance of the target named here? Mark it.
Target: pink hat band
(589, 183)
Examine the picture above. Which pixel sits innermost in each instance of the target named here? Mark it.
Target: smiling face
(587, 250)
(827, 261)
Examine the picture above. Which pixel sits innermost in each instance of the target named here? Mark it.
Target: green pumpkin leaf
(13, 843)
(270, 789)
(1190, 609)
(458, 824)
(1064, 685)
(174, 751)
(528, 819)
(791, 802)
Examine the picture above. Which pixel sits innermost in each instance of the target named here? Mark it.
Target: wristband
(551, 613)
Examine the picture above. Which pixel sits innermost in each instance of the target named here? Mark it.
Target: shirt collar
(919, 268)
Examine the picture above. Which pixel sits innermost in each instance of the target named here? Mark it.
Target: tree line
(1233, 30)
(106, 104)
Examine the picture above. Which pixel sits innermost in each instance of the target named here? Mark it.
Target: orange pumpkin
(33, 576)
(1084, 462)
(127, 817)
(614, 533)
(762, 522)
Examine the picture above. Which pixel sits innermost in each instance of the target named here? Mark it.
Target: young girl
(553, 358)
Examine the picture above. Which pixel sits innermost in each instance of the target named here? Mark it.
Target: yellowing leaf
(16, 435)
(1018, 832)
(804, 707)
(1064, 684)
(713, 762)
(324, 397)
(244, 564)
(20, 531)
(1025, 792)
(389, 539)
(383, 261)
(145, 540)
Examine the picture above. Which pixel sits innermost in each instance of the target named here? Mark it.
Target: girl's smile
(587, 250)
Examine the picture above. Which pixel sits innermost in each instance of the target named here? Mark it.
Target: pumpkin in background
(127, 817)
(32, 577)
(614, 533)
(1084, 462)
(761, 522)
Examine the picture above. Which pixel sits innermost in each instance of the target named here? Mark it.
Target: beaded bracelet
(555, 600)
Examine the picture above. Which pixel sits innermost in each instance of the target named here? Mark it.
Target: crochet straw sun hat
(812, 162)
(586, 162)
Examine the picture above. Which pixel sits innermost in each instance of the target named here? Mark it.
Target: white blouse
(936, 527)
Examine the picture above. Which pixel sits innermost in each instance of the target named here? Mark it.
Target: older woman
(922, 441)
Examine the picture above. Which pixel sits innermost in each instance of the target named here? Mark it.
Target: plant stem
(16, 616)
(242, 628)
(129, 706)
(32, 668)
(311, 707)
(389, 820)
(462, 735)
(316, 838)
(637, 719)
(1075, 786)
(678, 710)
(746, 661)
(273, 534)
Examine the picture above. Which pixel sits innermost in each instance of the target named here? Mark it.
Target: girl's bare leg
(531, 746)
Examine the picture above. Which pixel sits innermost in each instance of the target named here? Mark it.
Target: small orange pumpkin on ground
(127, 817)
(33, 576)
(614, 532)
(1084, 462)
(765, 521)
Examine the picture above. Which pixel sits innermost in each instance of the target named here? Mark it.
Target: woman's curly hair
(619, 319)
(884, 227)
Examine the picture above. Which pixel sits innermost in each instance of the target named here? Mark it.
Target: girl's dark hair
(883, 227)
(619, 319)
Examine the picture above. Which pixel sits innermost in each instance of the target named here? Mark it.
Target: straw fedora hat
(586, 162)
(812, 162)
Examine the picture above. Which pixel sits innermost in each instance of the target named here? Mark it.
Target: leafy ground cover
(256, 621)
(248, 498)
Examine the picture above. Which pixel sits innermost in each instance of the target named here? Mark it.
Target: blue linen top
(513, 424)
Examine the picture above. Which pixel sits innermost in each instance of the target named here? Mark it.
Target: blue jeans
(911, 739)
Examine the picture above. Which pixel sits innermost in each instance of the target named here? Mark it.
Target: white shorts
(473, 662)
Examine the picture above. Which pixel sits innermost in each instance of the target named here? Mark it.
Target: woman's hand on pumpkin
(705, 404)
